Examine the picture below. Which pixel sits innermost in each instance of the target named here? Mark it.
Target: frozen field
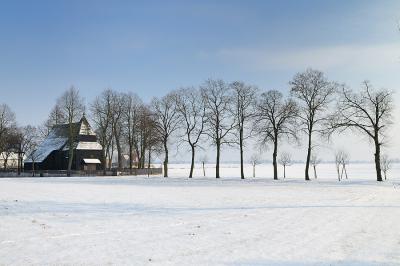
(176, 221)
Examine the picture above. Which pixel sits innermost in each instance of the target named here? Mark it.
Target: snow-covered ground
(146, 221)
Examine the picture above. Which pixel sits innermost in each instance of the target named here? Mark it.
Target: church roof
(58, 139)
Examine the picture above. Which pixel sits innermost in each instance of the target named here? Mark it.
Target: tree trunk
(307, 176)
(142, 153)
(111, 154)
(241, 153)
(218, 158)
(254, 170)
(204, 171)
(119, 151)
(284, 171)
(192, 164)
(378, 160)
(19, 163)
(148, 163)
(315, 171)
(341, 174)
(71, 150)
(274, 155)
(338, 171)
(107, 157)
(165, 159)
(70, 158)
(138, 156)
(104, 161)
(130, 157)
(142, 159)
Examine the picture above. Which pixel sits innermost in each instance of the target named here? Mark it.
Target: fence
(56, 173)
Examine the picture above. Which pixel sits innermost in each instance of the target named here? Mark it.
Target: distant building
(53, 152)
(125, 161)
(8, 160)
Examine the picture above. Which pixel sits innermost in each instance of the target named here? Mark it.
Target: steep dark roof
(58, 139)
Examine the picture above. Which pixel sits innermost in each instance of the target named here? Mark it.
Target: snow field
(176, 221)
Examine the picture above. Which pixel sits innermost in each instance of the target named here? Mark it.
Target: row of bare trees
(224, 114)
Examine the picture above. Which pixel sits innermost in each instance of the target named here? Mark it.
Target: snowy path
(198, 222)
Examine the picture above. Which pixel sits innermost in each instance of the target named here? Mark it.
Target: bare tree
(44, 129)
(285, 159)
(314, 92)
(72, 107)
(386, 164)
(191, 109)
(345, 161)
(368, 111)
(117, 106)
(7, 122)
(56, 117)
(276, 118)
(338, 163)
(32, 152)
(220, 116)
(146, 135)
(10, 141)
(204, 160)
(244, 97)
(101, 110)
(314, 161)
(28, 139)
(167, 121)
(154, 141)
(146, 120)
(341, 158)
(33, 156)
(7, 118)
(131, 111)
(255, 160)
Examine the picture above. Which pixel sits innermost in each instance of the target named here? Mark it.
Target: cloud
(325, 58)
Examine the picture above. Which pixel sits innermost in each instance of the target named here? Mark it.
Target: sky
(152, 47)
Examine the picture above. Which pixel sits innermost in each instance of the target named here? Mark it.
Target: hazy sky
(151, 47)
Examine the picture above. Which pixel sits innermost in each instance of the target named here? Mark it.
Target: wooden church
(53, 152)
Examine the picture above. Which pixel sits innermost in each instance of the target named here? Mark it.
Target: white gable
(86, 130)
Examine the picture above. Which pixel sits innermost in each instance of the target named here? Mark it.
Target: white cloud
(325, 58)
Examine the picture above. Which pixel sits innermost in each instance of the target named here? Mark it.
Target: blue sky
(151, 47)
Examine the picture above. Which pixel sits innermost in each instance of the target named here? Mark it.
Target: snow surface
(84, 145)
(95, 161)
(203, 221)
